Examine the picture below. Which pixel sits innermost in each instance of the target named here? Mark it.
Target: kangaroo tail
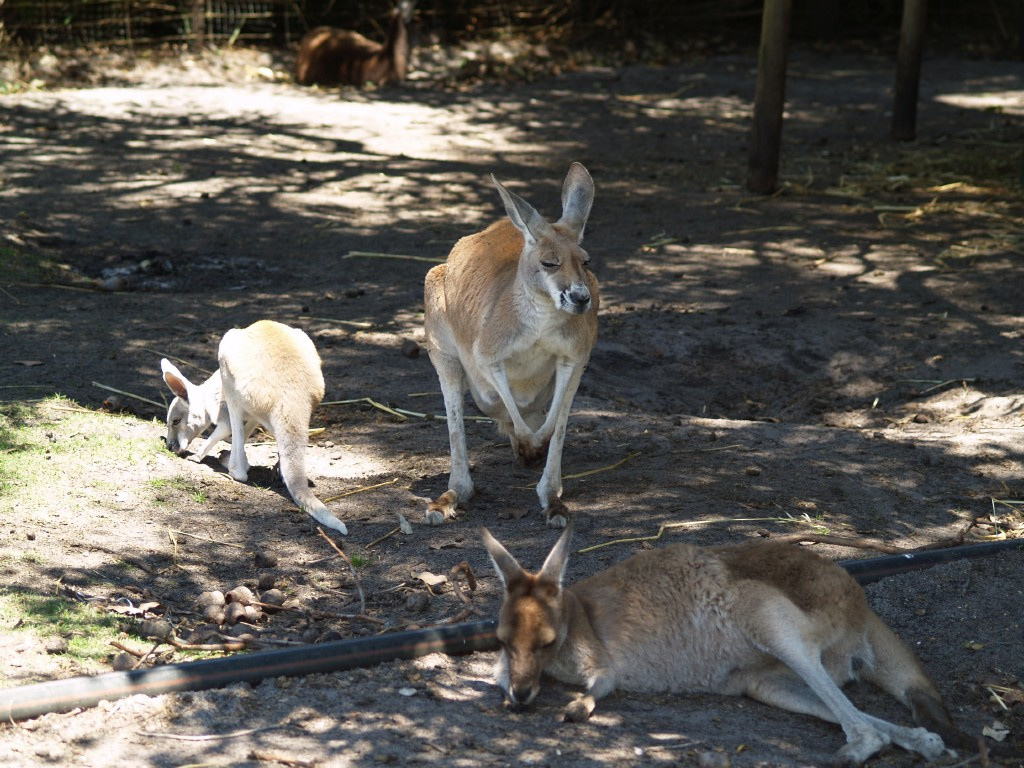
(899, 672)
(292, 452)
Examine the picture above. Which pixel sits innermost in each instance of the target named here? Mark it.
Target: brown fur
(771, 621)
(329, 56)
(512, 317)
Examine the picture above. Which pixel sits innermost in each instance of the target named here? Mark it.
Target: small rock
(417, 602)
(252, 614)
(213, 597)
(234, 613)
(213, 614)
(243, 630)
(265, 559)
(267, 581)
(57, 645)
(158, 630)
(123, 662)
(273, 597)
(241, 595)
(410, 349)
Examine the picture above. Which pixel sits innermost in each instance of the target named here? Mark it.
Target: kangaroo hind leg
(778, 627)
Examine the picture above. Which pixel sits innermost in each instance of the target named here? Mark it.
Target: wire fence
(998, 24)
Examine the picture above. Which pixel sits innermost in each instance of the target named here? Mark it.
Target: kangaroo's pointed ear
(577, 198)
(175, 380)
(507, 566)
(522, 214)
(553, 569)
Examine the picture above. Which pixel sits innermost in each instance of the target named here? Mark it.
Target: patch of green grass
(87, 630)
(40, 439)
(18, 267)
(164, 486)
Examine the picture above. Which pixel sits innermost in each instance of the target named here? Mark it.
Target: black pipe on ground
(875, 568)
(64, 695)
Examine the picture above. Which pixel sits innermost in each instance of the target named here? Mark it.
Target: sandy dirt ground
(847, 353)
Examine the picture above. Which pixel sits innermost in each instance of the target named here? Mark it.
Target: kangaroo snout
(521, 695)
(575, 299)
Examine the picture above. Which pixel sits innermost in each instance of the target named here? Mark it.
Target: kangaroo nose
(579, 298)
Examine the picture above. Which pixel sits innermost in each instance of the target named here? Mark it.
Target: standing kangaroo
(269, 376)
(512, 316)
(768, 620)
(329, 56)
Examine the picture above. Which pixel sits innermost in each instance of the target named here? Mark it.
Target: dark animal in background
(329, 56)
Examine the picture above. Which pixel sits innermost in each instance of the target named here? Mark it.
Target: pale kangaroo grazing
(771, 621)
(512, 317)
(330, 56)
(269, 376)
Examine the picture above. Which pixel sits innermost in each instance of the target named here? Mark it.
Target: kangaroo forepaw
(442, 509)
(579, 710)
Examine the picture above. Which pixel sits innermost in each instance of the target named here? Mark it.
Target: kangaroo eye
(549, 264)
(175, 422)
(548, 646)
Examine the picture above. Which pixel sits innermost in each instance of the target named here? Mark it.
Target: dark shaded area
(650, 27)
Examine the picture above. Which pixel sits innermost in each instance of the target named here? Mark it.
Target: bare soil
(847, 352)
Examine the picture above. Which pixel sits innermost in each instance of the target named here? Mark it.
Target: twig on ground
(355, 576)
(386, 536)
(212, 736)
(128, 394)
(10, 295)
(607, 468)
(203, 538)
(274, 757)
(363, 489)
(181, 360)
(368, 401)
(403, 257)
(453, 576)
(694, 523)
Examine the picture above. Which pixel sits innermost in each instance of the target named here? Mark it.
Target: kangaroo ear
(553, 569)
(577, 198)
(174, 379)
(522, 214)
(507, 566)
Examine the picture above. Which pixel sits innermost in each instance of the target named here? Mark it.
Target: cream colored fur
(269, 376)
(512, 317)
(770, 621)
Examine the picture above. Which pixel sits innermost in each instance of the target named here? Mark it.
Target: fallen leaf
(404, 525)
(973, 645)
(997, 731)
(431, 579)
(513, 513)
(28, 363)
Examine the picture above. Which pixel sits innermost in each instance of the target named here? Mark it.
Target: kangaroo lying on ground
(512, 316)
(771, 621)
(269, 376)
(330, 56)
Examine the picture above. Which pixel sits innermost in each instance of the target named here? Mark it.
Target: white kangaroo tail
(292, 452)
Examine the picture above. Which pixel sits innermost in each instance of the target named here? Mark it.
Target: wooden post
(770, 97)
(908, 70)
(198, 24)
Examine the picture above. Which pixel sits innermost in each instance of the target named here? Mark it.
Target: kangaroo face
(558, 267)
(183, 425)
(530, 631)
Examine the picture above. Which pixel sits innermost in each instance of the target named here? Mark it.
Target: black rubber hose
(64, 695)
(874, 568)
